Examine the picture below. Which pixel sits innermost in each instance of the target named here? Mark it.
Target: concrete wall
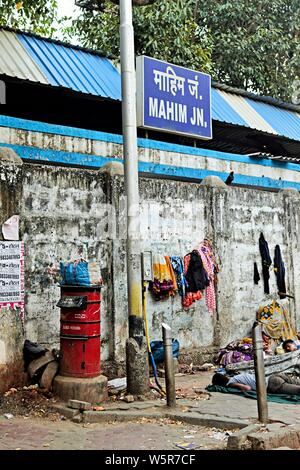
(67, 213)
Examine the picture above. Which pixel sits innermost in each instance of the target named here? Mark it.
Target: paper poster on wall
(12, 275)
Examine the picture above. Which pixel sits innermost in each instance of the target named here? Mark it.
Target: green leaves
(39, 16)
(248, 44)
(256, 44)
(165, 30)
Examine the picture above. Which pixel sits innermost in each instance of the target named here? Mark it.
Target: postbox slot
(68, 301)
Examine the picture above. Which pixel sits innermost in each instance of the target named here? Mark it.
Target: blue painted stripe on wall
(94, 161)
(35, 126)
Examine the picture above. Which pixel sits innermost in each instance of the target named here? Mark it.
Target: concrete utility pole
(259, 367)
(136, 351)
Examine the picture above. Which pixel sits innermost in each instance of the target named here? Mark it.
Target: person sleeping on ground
(280, 383)
(290, 345)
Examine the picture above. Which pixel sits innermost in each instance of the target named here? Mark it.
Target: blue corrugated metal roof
(222, 111)
(283, 121)
(73, 68)
(60, 64)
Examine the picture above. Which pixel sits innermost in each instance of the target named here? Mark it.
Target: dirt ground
(27, 433)
(28, 422)
(33, 402)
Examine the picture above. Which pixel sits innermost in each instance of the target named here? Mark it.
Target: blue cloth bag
(157, 348)
(75, 274)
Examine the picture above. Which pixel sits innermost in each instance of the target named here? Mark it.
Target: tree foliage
(253, 45)
(165, 30)
(37, 16)
(256, 43)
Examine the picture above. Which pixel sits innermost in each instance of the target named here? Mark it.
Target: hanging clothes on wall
(194, 282)
(196, 276)
(177, 265)
(164, 284)
(279, 272)
(266, 262)
(256, 276)
(212, 269)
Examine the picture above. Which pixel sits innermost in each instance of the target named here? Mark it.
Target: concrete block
(79, 405)
(37, 364)
(119, 416)
(9, 156)
(92, 390)
(288, 437)
(236, 440)
(48, 375)
(293, 192)
(213, 181)
(68, 413)
(77, 418)
(113, 168)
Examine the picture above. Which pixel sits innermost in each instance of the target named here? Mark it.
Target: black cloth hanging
(280, 272)
(256, 276)
(196, 276)
(266, 262)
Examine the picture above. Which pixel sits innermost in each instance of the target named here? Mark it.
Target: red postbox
(80, 331)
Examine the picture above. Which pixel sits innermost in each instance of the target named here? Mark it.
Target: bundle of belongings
(236, 351)
(80, 273)
(276, 328)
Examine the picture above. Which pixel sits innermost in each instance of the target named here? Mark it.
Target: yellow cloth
(276, 322)
(161, 271)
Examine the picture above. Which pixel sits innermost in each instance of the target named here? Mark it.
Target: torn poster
(12, 275)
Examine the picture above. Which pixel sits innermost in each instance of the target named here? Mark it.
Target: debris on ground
(194, 393)
(192, 368)
(129, 398)
(10, 392)
(186, 445)
(8, 416)
(28, 402)
(116, 386)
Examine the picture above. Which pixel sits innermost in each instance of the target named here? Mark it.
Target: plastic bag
(80, 273)
(157, 348)
(32, 351)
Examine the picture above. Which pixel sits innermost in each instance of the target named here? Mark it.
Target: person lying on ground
(290, 345)
(275, 383)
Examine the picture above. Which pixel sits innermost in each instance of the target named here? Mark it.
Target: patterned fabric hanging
(212, 269)
(177, 265)
(164, 284)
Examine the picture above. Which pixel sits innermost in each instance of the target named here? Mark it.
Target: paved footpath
(144, 434)
(146, 423)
